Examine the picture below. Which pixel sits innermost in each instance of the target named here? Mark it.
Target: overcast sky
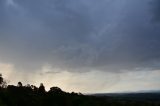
(81, 45)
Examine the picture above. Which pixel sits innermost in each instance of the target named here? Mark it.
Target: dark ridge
(30, 95)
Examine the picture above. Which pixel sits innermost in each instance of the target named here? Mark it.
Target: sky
(86, 46)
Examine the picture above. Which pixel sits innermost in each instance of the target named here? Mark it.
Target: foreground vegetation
(30, 95)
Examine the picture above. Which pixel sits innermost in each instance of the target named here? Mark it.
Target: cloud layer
(80, 36)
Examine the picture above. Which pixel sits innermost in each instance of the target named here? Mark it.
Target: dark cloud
(82, 35)
(156, 10)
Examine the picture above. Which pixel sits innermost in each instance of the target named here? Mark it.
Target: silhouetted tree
(1, 79)
(55, 90)
(19, 84)
(34, 88)
(41, 89)
(3, 83)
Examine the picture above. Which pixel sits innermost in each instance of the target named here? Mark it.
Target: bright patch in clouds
(6, 69)
(11, 3)
(88, 82)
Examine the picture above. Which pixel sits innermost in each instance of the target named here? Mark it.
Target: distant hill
(136, 96)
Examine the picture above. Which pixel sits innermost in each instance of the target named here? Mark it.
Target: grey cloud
(155, 10)
(79, 36)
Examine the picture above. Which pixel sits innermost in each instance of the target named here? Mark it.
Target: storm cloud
(80, 36)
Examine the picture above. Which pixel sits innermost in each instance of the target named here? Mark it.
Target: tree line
(30, 95)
